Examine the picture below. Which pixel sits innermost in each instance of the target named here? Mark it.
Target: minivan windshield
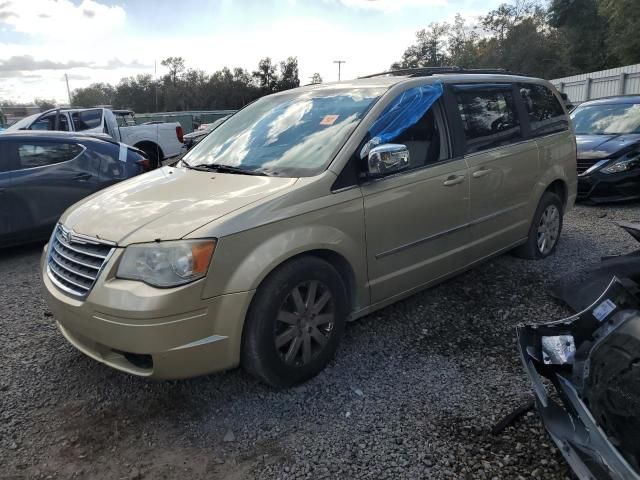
(608, 119)
(292, 134)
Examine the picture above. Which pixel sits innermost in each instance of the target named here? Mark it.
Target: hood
(167, 204)
(597, 147)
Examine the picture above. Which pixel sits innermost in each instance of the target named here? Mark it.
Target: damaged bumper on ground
(593, 361)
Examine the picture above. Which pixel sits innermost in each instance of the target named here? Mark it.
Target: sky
(105, 40)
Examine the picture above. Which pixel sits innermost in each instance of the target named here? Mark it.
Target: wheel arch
(146, 145)
(560, 188)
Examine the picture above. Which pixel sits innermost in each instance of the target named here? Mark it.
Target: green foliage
(45, 104)
(623, 19)
(94, 94)
(549, 39)
(185, 88)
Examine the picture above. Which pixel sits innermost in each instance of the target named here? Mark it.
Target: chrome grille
(75, 261)
(584, 165)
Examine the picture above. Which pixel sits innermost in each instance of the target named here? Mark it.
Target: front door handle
(453, 180)
(83, 177)
(482, 172)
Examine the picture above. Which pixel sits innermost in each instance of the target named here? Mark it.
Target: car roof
(388, 79)
(618, 99)
(55, 135)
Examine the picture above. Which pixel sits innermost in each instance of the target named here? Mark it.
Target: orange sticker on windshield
(329, 120)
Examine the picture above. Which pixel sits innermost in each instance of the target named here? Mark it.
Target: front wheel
(545, 229)
(295, 322)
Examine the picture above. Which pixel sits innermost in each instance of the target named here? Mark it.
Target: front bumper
(571, 425)
(151, 332)
(600, 187)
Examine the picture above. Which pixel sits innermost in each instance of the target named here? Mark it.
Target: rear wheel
(545, 229)
(154, 156)
(295, 322)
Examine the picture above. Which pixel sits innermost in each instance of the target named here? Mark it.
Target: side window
(546, 115)
(488, 116)
(87, 120)
(414, 119)
(425, 140)
(41, 154)
(48, 122)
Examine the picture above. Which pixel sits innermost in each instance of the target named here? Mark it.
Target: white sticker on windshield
(122, 156)
(603, 310)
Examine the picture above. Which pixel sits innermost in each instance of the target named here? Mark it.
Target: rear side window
(48, 122)
(488, 116)
(41, 154)
(87, 120)
(545, 112)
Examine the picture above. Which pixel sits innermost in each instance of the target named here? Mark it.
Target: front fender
(242, 261)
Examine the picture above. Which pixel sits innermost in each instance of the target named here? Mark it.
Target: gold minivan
(304, 210)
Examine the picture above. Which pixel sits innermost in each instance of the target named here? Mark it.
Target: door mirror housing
(386, 159)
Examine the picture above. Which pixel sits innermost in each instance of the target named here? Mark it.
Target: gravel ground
(413, 392)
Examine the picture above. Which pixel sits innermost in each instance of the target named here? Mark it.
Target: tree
(288, 74)
(623, 18)
(175, 66)
(462, 43)
(45, 104)
(266, 76)
(138, 93)
(316, 78)
(430, 49)
(94, 94)
(585, 33)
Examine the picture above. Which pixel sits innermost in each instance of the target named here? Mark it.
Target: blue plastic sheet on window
(405, 111)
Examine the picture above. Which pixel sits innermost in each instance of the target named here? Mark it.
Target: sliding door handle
(453, 180)
(482, 172)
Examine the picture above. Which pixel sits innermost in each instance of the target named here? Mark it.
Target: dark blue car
(43, 173)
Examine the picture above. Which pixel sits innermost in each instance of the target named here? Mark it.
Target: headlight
(167, 264)
(622, 165)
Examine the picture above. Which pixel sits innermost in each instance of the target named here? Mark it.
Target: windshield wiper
(223, 169)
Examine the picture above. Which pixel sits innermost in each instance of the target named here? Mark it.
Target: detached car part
(580, 291)
(593, 361)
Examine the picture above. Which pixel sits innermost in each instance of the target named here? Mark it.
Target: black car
(608, 138)
(44, 173)
(193, 138)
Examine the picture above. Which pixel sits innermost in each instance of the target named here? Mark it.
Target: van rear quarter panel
(557, 154)
(285, 228)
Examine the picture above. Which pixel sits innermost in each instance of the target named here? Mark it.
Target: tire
(153, 156)
(531, 249)
(280, 322)
(612, 389)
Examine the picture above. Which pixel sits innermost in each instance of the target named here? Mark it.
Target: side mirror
(387, 158)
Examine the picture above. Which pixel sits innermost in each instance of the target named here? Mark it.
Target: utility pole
(339, 62)
(66, 78)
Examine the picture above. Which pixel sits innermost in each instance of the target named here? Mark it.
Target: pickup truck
(159, 141)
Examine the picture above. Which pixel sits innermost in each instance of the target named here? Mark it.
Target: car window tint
(48, 122)
(87, 120)
(4, 158)
(424, 139)
(488, 116)
(40, 154)
(545, 112)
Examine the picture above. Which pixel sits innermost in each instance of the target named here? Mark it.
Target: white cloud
(392, 5)
(59, 18)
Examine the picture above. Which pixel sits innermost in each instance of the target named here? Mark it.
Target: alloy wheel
(304, 323)
(548, 229)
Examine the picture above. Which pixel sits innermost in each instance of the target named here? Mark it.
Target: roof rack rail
(428, 71)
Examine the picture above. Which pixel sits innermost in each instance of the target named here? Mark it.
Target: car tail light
(180, 134)
(145, 164)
